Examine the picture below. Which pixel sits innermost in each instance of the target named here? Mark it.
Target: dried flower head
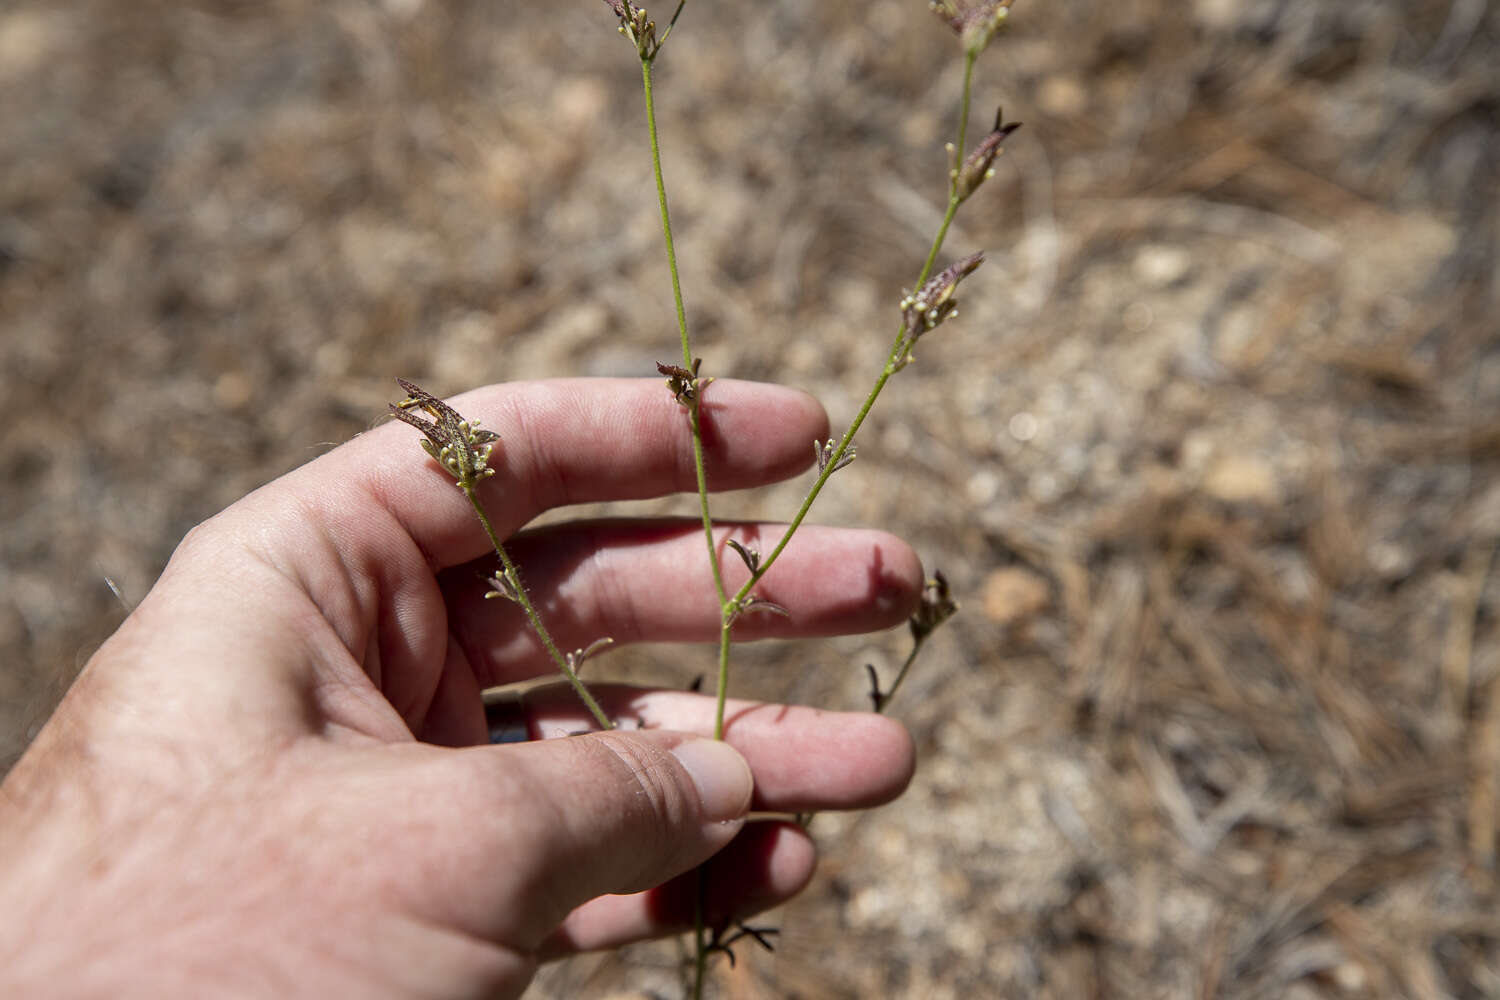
(823, 451)
(750, 556)
(684, 383)
(753, 602)
(458, 445)
(575, 659)
(979, 166)
(974, 21)
(935, 607)
(501, 586)
(636, 25)
(930, 305)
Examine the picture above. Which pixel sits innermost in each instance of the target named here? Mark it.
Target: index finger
(561, 441)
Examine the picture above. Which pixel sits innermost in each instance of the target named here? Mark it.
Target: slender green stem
(722, 697)
(953, 200)
(694, 414)
(695, 420)
(514, 576)
(666, 220)
(890, 692)
(892, 365)
(700, 942)
(729, 607)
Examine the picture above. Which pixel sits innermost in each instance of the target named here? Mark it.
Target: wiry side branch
(935, 607)
(636, 25)
(461, 448)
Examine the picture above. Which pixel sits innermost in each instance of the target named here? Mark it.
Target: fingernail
(721, 774)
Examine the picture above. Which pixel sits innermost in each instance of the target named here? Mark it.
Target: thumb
(537, 829)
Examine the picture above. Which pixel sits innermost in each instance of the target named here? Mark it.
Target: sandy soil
(1212, 455)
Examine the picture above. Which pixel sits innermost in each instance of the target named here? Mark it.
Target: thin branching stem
(700, 935)
(695, 402)
(730, 607)
(666, 219)
(723, 693)
(892, 365)
(521, 598)
(953, 198)
(890, 692)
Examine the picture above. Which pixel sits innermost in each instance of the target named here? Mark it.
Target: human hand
(275, 777)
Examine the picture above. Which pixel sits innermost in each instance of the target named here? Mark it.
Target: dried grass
(1227, 397)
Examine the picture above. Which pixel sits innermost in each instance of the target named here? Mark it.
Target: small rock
(580, 102)
(1063, 96)
(1242, 479)
(29, 40)
(982, 487)
(1137, 317)
(403, 10)
(1160, 266)
(1219, 15)
(1014, 594)
(1391, 561)
(1044, 487)
(1023, 426)
(233, 390)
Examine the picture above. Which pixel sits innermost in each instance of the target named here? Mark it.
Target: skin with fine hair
(275, 778)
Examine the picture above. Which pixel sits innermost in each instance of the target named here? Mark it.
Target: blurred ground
(1212, 455)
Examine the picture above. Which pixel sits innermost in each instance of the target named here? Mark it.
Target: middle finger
(648, 580)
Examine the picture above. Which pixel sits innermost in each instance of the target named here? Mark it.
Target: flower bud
(978, 166)
(974, 21)
(929, 305)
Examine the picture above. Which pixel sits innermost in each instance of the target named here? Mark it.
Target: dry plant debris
(1228, 387)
